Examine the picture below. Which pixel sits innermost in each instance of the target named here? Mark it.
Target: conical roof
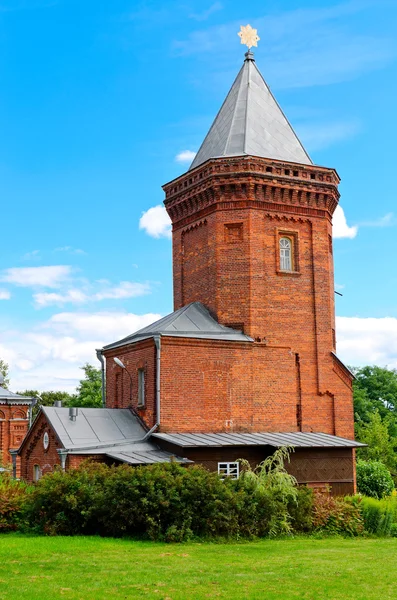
(250, 122)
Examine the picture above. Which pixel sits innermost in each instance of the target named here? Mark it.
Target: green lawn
(41, 568)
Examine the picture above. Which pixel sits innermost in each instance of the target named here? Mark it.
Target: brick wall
(33, 451)
(121, 392)
(14, 425)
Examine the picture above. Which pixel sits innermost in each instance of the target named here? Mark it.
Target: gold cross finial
(248, 36)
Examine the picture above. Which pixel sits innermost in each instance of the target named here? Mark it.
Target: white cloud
(340, 227)
(186, 156)
(156, 222)
(4, 294)
(51, 277)
(125, 289)
(367, 341)
(49, 356)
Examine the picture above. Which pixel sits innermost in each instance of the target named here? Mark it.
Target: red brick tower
(252, 240)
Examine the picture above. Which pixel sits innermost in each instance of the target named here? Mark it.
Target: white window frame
(141, 388)
(229, 469)
(285, 249)
(36, 473)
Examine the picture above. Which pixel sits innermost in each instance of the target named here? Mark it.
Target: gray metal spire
(250, 122)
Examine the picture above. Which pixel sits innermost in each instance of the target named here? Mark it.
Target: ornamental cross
(248, 36)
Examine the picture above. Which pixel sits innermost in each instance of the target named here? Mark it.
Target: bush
(374, 479)
(336, 515)
(169, 502)
(380, 516)
(12, 499)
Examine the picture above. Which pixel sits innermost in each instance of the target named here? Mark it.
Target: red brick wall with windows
(121, 392)
(14, 423)
(228, 216)
(33, 451)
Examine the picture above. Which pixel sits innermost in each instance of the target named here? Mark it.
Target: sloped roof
(113, 432)
(251, 122)
(297, 439)
(94, 426)
(10, 397)
(192, 321)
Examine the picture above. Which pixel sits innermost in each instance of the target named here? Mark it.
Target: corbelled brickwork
(228, 216)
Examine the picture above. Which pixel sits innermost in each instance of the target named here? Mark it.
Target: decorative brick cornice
(254, 183)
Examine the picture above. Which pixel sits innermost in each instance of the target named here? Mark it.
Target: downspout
(63, 454)
(100, 358)
(157, 341)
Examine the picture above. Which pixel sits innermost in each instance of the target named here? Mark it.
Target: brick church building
(247, 361)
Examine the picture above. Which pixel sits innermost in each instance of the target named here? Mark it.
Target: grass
(44, 568)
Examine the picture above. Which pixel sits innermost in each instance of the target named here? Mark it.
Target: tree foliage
(4, 372)
(374, 479)
(89, 391)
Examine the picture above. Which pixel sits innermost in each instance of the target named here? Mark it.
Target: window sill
(293, 273)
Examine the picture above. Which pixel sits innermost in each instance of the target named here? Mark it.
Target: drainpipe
(100, 358)
(63, 456)
(157, 341)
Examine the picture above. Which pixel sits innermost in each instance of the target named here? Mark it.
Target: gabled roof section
(191, 321)
(250, 122)
(7, 397)
(94, 427)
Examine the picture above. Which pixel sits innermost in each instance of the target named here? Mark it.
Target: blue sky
(99, 104)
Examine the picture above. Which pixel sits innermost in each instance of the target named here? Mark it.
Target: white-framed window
(36, 473)
(141, 387)
(229, 469)
(285, 254)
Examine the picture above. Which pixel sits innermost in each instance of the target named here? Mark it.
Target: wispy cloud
(340, 227)
(317, 136)
(70, 250)
(156, 222)
(186, 156)
(33, 255)
(205, 14)
(302, 47)
(51, 277)
(101, 290)
(5, 294)
(387, 220)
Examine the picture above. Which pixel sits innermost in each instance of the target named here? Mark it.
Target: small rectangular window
(36, 473)
(228, 469)
(141, 387)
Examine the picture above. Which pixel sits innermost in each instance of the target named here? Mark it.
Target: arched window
(285, 254)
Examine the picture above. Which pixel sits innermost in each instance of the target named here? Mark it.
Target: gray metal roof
(113, 432)
(250, 122)
(276, 440)
(10, 397)
(139, 453)
(94, 426)
(192, 321)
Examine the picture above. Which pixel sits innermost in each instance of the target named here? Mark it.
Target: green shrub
(374, 479)
(336, 515)
(169, 502)
(13, 495)
(301, 511)
(378, 516)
